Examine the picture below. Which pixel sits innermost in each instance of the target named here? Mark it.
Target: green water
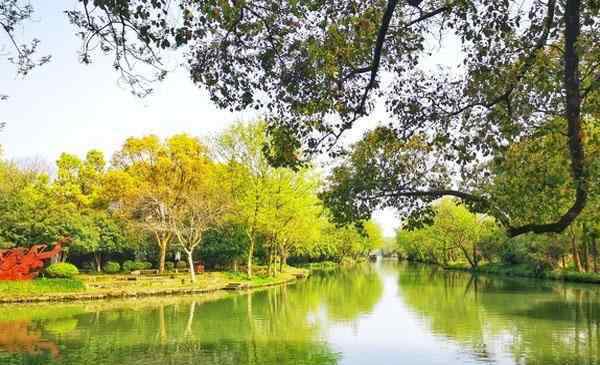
(381, 314)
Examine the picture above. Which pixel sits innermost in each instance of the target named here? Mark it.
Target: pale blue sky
(68, 107)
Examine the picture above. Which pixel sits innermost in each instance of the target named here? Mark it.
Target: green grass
(119, 284)
(257, 279)
(41, 286)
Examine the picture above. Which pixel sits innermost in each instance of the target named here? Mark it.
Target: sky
(65, 106)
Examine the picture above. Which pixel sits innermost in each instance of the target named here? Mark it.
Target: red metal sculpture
(23, 264)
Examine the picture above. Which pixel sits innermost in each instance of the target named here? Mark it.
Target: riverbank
(99, 287)
(527, 272)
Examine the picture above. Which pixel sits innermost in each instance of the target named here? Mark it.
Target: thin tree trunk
(163, 256)
(190, 258)
(595, 253)
(98, 260)
(576, 261)
(283, 262)
(250, 255)
(586, 262)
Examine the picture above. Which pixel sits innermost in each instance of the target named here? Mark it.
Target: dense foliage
(458, 238)
(177, 199)
(315, 68)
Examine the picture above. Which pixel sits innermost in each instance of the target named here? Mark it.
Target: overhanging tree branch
(573, 115)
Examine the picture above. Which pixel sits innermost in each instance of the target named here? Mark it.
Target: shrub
(181, 265)
(170, 265)
(62, 270)
(128, 266)
(112, 267)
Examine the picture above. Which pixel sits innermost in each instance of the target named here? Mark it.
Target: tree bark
(98, 260)
(190, 259)
(574, 131)
(163, 256)
(250, 256)
(595, 253)
(283, 262)
(576, 261)
(586, 256)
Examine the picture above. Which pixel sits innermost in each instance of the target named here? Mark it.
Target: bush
(112, 267)
(169, 265)
(128, 266)
(181, 265)
(62, 270)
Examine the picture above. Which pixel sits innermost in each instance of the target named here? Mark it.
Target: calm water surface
(382, 314)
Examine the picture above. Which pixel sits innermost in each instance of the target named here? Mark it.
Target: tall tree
(240, 149)
(203, 207)
(150, 180)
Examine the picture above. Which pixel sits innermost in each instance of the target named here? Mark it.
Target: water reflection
(536, 322)
(282, 325)
(18, 337)
(384, 314)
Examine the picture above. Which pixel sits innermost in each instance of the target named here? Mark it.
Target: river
(385, 313)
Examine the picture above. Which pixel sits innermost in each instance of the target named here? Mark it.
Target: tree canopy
(315, 68)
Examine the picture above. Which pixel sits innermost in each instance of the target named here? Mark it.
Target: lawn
(40, 287)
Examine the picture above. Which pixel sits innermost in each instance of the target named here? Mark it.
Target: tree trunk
(250, 256)
(586, 260)
(235, 265)
(283, 262)
(595, 253)
(98, 260)
(575, 254)
(190, 259)
(163, 256)
(270, 260)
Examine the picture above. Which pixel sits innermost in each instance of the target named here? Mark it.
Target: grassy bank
(40, 287)
(321, 266)
(528, 272)
(332, 265)
(92, 287)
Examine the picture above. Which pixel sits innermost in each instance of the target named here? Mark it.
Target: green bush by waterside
(112, 267)
(130, 265)
(62, 270)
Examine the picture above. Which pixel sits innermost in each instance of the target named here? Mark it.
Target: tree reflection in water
(279, 326)
(538, 322)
